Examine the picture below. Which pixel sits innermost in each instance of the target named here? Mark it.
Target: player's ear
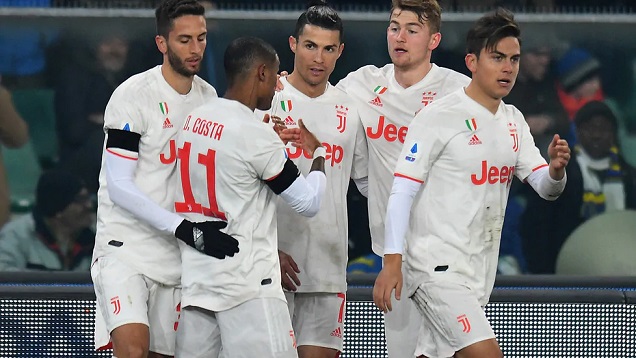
(261, 72)
(162, 44)
(435, 40)
(471, 62)
(340, 49)
(293, 43)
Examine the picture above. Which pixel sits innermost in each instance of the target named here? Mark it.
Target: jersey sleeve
(422, 146)
(360, 166)
(268, 153)
(124, 112)
(530, 158)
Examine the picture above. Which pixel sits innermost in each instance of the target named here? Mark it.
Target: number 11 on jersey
(190, 205)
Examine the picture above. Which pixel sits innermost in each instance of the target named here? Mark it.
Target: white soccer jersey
(319, 245)
(386, 109)
(466, 157)
(226, 155)
(147, 105)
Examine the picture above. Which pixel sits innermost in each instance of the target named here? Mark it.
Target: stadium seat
(37, 108)
(23, 171)
(602, 246)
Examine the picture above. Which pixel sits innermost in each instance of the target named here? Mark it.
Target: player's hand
(559, 153)
(308, 141)
(288, 271)
(389, 279)
(208, 238)
(279, 84)
(286, 134)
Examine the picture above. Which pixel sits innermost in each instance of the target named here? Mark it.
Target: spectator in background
(57, 235)
(579, 80)
(81, 96)
(599, 180)
(14, 133)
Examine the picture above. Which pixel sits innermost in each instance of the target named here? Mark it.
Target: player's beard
(179, 66)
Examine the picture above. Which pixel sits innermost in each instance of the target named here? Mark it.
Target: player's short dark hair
(243, 53)
(490, 29)
(427, 11)
(169, 10)
(322, 15)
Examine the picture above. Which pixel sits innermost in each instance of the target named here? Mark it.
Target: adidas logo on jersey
(167, 124)
(376, 101)
(474, 140)
(289, 121)
(337, 333)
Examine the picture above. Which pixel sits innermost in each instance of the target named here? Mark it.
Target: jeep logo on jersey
(390, 132)
(341, 113)
(335, 153)
(493, 175)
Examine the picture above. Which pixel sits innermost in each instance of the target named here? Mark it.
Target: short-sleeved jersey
(466, 157)
(226, 155)
(386, 109)
(319, 244)
(146, 104)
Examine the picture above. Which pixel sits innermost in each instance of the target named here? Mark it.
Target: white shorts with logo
(401, 326)
(125, 296)
(318, 318)
(259, 327)
(452, 317)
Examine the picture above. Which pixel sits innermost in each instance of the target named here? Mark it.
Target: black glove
(208, 238)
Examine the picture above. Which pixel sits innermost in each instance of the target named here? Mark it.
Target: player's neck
(178, 82)
(478, 95)
(408, 76)
(311, 91)
(241, 95)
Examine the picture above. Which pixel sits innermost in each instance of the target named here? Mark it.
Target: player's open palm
(389, 279)
(288, 271)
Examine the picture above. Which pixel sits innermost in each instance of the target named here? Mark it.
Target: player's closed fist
(208, 238)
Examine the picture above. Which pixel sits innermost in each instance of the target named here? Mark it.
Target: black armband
(287, 176)
(122, 139)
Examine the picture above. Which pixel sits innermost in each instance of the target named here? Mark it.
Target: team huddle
(222, 221)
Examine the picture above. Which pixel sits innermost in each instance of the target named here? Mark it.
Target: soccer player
(388, 98)
(231, 167)
(452, 181)
(136, 263)
(313, 251)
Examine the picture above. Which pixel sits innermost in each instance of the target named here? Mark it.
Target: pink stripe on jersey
(408, 177)
(120, 155)
(539, 167)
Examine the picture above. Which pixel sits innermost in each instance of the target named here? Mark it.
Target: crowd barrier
(52, 314)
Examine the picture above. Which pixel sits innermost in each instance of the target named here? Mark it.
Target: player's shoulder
(451, 78)
(137, 84)
(445, 107)
(512, 112)
(370, 73)
(203, 86)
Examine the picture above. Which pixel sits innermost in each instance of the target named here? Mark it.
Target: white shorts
(317, 318)
(125, 296)
(257, 328)
(452, 317)
(402, 325)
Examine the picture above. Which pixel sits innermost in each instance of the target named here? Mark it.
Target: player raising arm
(450, 192)
(231, 167)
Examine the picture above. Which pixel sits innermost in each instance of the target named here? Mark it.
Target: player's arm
(398, 214)
(303, 194)
(549, 181)
(360, 166)
(122, 152)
